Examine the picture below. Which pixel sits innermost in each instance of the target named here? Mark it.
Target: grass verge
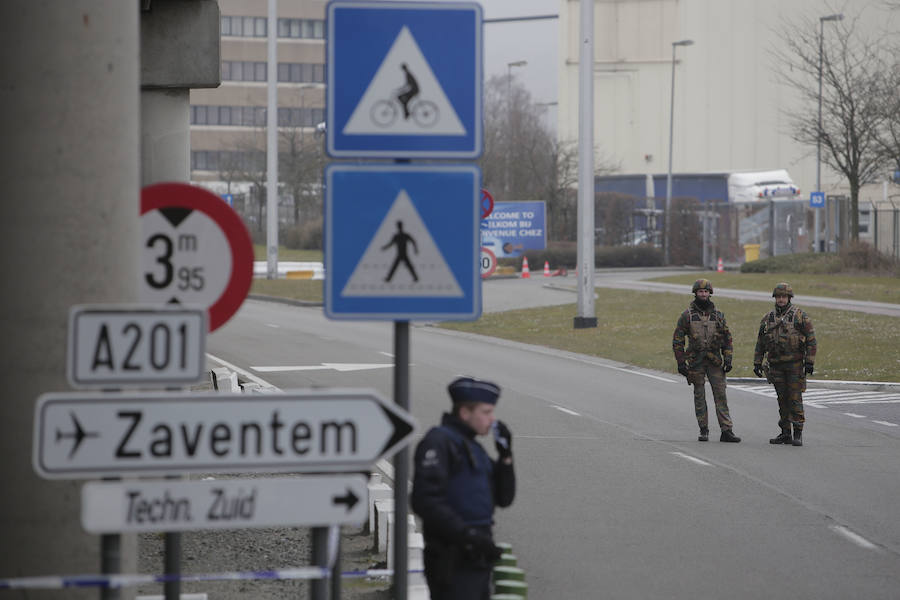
(636, 328)
(856, 287)
(288, 254)
(306, 290)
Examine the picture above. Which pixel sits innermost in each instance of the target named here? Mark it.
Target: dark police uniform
(455, 488)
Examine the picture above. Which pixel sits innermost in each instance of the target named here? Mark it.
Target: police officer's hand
(502, 439)
(682, 369)
(727, 366)
(757, 369)
(809, 368)
(481, 544)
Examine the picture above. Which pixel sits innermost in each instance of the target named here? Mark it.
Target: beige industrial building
(228, 123)
(729, 106)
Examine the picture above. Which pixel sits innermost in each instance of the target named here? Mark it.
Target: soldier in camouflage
(708, 356)
(787, 341)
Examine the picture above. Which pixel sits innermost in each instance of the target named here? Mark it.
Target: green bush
(855, 258)
(306, 236)
(565, 254)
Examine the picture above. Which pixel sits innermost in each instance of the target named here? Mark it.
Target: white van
(758, 186)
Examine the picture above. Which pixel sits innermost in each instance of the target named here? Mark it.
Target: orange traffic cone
(525, 272)
(546, 269)
(720, 267)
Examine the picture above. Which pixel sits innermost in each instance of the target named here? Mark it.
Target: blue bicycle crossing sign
(402, 242)
(400, 86)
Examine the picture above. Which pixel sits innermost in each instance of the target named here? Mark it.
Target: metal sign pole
(401, 464)
(318, 588)
(110, 558)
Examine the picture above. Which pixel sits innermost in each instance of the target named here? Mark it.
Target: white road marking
(342, 367)
(692, 458)
(388, 354)
(566, 410)
(853, 537)
(855, 416)
(273, 325)
(888, 423)
(246, 374)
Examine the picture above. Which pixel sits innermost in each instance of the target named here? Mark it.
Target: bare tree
(522, 158)
(246, 162)
(301, 161)
(853, 99)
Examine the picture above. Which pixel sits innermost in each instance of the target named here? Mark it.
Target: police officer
(708, 355)
(787, 339)
(455, 488)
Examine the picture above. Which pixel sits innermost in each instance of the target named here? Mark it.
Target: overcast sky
(532, 41)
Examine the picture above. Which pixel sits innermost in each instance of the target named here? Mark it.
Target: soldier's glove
(481, 544)
(727, 366)
(502, 439)
(809, 368)
(682, 369)
(757, 369)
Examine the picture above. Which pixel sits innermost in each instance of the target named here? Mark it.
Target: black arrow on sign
(350, 499)
(402, 428)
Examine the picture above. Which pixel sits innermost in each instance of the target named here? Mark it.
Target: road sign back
(399, 86)
(402, 242)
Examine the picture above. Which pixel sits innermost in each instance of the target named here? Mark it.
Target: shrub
(306, 236)
(855, 258)
(565, 254)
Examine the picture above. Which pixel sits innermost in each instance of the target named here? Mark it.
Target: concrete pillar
(165, 135)
(68, 222)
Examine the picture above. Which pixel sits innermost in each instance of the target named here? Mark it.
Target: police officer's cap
(467, 389)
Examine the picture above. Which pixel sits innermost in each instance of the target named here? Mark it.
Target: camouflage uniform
(787, 341)
(709, 350)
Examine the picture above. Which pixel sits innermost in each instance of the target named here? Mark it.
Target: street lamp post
(671, 130)
(835, 17)
(509, 66)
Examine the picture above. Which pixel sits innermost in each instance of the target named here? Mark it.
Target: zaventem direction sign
(120, 345)
(195, 251)
(313, 501)
(77, 435)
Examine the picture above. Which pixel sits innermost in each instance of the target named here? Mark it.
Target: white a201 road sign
(78, 435)
(121, 345)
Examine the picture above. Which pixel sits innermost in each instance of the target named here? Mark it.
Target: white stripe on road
(273, 325)
(853, 537)
(888, 423)
(855, 416)
(692, 458)
(565, 410)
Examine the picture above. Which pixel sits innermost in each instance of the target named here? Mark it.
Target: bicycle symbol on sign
(424, 113)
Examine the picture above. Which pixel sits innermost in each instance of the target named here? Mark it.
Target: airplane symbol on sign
(78, 435)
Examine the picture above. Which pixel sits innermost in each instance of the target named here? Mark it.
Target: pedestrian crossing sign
(402, 242)
(398, 85)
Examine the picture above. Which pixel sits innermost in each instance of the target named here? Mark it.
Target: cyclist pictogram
(424, 113)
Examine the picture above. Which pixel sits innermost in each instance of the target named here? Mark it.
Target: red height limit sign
(195, 251)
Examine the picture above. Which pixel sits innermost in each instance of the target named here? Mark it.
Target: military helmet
(702, 284)
(783, 288)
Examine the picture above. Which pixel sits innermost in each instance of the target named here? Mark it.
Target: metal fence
(704, 232)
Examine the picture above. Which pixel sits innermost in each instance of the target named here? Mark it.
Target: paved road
(617, 498)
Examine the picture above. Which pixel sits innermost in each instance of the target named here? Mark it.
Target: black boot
(728, 436)
(798, 437)
(783, 438)
(704, 435)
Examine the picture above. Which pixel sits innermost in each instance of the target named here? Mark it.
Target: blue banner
(514, 227)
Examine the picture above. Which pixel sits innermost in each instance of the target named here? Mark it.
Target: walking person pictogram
(401, 239)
